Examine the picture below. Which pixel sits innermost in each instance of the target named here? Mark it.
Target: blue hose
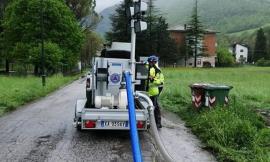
(136, 150)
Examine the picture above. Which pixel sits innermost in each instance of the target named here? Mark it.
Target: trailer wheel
(89, 99)
(79, 126)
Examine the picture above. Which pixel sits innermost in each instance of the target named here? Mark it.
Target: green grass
(235, 133)
(16, 91)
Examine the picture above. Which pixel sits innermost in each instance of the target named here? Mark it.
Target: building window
(199, 62)
(241, 50)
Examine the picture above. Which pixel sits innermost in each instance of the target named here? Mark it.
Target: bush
(225, 58)
(53, 56)
(263, 62)
(232, 132)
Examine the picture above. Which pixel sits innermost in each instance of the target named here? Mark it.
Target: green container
(209, 95)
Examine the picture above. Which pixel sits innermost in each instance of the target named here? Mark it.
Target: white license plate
(121, 124)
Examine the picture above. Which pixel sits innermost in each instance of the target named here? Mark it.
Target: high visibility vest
(157, 81)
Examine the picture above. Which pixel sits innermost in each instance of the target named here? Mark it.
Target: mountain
(249, 36)
(105, 24)
(226, 16)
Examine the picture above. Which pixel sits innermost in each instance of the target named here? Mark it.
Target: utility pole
(136, 13)
(196, 35)
(42, 46)
(150, 24)
(133, 48)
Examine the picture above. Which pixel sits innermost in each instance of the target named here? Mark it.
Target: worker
(155, 80)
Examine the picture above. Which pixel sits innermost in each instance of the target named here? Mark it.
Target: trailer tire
(79, 126)
(89, 102)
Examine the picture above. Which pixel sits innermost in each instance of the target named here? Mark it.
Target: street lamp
(42, 46)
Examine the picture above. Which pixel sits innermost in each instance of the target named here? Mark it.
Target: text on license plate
(114, 124)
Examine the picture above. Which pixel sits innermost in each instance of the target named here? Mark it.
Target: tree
(260, 46)
(22, 28)
(54, 56)
(3, 4)
(120, 24)
(195, 35)
(81, 8)
(166, 48)
(84, 11)
(90, 47)
(225, 58)
(155, 40)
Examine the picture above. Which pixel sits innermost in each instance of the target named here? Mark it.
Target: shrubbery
(263, 62)
(225, 58)
(235, 133)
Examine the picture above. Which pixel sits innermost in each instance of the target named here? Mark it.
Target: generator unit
(105, 106)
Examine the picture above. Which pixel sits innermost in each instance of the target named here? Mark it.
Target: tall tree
(90, 47)
(195, 34)
(166, 48)
(81, 8)
(155, 40)
(84, 11)
(22, 31)
(3, 4)
(260, 46)
(120, 24)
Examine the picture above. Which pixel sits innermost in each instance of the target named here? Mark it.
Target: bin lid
(209, 86)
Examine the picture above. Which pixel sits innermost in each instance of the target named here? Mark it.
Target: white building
(241, 53)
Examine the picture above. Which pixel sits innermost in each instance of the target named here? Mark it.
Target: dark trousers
(160, 90)
(157, 109)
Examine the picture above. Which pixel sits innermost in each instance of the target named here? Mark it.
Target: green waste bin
(209, 95)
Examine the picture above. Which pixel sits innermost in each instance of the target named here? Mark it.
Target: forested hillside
(105, 23)
(249, 36)
(223, 15)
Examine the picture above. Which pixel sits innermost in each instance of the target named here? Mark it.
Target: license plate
(121, 124)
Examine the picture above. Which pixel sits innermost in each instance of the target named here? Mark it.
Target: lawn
(235, 133)
(16, 91)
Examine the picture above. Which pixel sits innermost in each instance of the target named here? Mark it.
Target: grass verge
(235, 133)
(16, 91)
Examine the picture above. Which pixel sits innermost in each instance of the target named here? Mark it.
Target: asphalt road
(43, 131)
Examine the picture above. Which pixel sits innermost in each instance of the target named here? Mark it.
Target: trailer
(105, 106)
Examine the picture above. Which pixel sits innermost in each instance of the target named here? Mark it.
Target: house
(179, 34)
(240, 52)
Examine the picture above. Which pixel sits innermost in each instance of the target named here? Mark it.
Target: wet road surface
(43, 131)
(180, 143)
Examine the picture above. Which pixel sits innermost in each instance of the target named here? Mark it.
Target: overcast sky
(102, 4)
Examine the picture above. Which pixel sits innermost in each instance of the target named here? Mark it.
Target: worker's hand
(151, 79)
